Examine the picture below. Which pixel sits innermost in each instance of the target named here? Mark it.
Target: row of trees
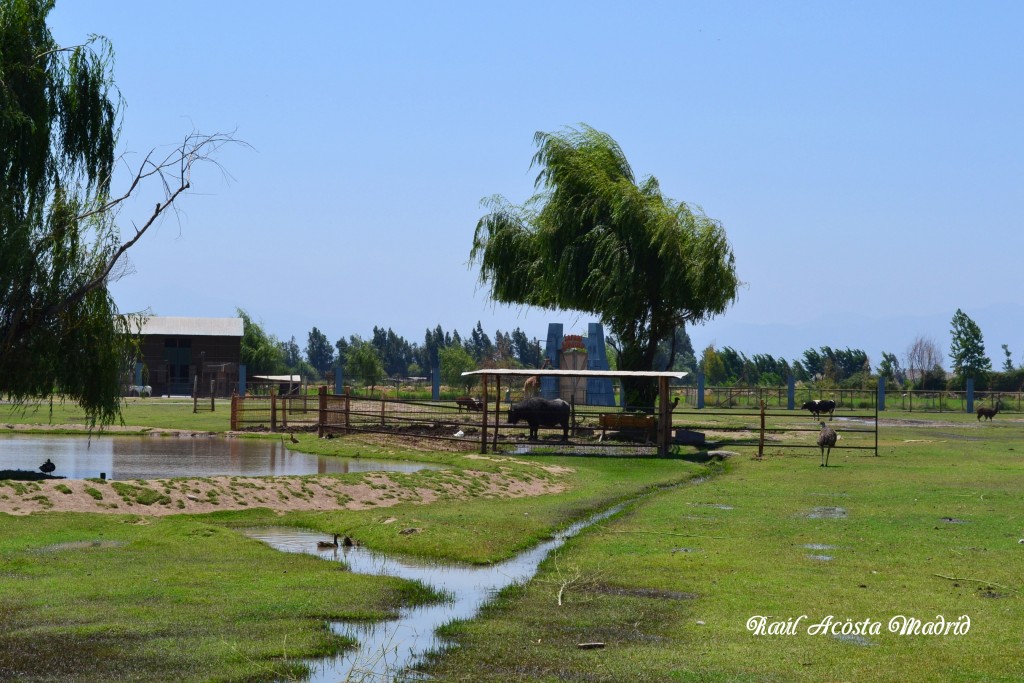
(921, 366)
(836, 366)
(386, 354)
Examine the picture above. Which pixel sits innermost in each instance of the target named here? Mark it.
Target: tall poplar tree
(967, 348)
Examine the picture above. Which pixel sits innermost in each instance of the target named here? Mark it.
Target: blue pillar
(791, 392)
(549, 385)
(435, 376)
(339, 381)
(138, 374)
(700, 390)
(599, 389)
(970, 394)
(241, 379)
(881, 393)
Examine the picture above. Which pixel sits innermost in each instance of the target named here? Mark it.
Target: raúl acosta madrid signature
(899, 624)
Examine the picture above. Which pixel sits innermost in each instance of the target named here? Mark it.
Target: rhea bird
(826, 440)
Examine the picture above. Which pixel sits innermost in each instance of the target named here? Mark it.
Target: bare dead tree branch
(174, 172)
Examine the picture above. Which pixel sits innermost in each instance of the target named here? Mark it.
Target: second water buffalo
(541, 412)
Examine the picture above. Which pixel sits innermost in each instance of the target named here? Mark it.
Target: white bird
(460, 433)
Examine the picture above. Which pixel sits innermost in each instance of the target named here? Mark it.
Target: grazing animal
(469, 403)
(328, 544)
(47, 467)
(819, 406)
(541, 412)
(826, 440)
(532, 384)
(988, 413)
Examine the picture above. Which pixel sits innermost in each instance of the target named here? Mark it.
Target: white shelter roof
(612, 374)
(193, 327)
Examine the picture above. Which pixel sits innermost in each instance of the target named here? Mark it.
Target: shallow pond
(387, 648)
(154, 457)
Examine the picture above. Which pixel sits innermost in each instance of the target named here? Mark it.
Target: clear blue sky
(865, 158)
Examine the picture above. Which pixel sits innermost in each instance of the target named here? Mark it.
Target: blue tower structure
(549, 385)
(599, 389)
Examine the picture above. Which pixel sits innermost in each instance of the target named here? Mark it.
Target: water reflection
(152, 457)
(386, 649)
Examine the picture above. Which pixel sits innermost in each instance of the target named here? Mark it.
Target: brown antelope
(532, 384)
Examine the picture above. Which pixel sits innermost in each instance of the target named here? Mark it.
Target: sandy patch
(282, 494)
(552, 469)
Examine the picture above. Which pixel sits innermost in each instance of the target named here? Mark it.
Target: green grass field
(931, 527)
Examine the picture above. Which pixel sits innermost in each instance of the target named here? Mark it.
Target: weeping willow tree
(60, 330)
(594, 239)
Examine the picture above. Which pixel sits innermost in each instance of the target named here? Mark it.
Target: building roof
(279, 378)
(192, 327)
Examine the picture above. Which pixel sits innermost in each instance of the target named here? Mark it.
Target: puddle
(820, 558)
(717, 506)
(819, 546)
(952, 520)
(853, 639)
(388, 648)
(154, 457)
(80, 545)
(827, 513)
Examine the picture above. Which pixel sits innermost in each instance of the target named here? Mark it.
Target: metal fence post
(348, 408)
(321, 417)
(881, 394)
(700, 390)
(970, 394)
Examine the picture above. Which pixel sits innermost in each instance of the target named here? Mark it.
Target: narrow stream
(388, 650)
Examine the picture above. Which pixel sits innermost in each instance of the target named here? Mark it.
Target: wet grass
(668, 586)
(110, 597)
(486, 528)
(895, 553)
(89, 597)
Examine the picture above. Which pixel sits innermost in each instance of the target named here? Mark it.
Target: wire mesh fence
(592, 430)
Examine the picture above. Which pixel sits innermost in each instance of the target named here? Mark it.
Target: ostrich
(532, 384)
(826, 439)
(47, 467)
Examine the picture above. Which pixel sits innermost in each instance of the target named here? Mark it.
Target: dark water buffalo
(818, 407)
(469, 403)
(541, 412)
